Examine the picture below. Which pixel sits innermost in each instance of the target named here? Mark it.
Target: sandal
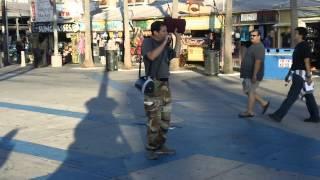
(245, 115)
(265, 108)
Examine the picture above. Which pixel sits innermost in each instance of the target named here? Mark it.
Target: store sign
(249, 17)
(195, 1)
(197, 23)
(145, 24)
(48, 27)
(284, 63)
(114, 26)
(104, 26)
(33, 11)
(43, 10)
(95, 26)
(70, 9)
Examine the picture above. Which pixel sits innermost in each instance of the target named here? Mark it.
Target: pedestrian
(157, 104)
(252, 71)
(81, 48)
(268, 41)
(300, 73)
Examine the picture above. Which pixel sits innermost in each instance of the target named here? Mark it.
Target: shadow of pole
(99, 147)
(15, 73)
(6, 146)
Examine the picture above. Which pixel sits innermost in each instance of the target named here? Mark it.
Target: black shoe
(152, 155)
(274, 118)
(164, 150)
(312, 120)
(265, 108)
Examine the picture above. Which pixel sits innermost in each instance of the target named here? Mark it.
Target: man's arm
(257, 66)
(308, 70)
(152, 55)
(307, 54)
(259, 59)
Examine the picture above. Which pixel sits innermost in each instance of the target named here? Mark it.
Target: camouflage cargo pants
(158, 110)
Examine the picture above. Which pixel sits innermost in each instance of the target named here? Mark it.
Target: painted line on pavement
(43, 110)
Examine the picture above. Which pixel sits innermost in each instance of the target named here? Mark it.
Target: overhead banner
(47, 27)
(43, 10)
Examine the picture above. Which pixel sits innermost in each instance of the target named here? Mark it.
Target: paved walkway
(70, 123)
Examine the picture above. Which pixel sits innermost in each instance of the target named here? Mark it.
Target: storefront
(68, 39)
(243, 23)
(313, 39)
(313, 26)
(197, 36)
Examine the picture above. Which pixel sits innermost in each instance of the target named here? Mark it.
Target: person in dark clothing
(19, 48)
(300, 73)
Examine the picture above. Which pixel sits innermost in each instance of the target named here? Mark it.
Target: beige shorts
(248, 86)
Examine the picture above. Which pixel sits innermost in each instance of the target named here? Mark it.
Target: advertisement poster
(43, 11)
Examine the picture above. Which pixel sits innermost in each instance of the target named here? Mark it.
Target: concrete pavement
(72, 123)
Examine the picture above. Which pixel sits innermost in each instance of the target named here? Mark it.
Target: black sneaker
(152, 155)
(165, 151)
(312, 120)
(274, 118)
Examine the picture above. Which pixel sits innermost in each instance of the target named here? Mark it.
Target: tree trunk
(177, 46)
(174, 63)
(5, 60)
(127, 55)
(294, 20)
(228, 64)
(88, 61)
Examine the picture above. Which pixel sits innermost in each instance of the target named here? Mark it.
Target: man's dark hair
(302, 31)
(256, 30)
(156, 26)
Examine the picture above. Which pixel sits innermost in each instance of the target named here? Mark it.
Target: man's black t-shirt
(301, 51)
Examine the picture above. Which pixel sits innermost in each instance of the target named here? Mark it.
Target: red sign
(33, 11)
(195, 1)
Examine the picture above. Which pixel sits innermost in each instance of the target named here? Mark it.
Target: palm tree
(228, 64)
(88, 61)
(127, 55)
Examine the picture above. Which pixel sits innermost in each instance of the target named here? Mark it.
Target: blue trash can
(277, 63)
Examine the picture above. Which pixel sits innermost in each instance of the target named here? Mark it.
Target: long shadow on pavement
(216, 131)
(98, 139)
(15, 73)
(6, 146)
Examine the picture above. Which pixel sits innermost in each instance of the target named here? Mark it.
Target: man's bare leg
(261, 101)
(251, 102)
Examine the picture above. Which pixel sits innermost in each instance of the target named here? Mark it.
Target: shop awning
(152, 11)
(259, 5)
(17, 9)
(282, 25)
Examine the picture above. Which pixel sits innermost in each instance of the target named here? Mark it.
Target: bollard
(23, 59)
(103, 60)
(56, 61)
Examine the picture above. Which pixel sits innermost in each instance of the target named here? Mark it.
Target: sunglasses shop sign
(249, 17)
(48, 27)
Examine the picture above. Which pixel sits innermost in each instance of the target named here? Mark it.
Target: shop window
(236, 19)
(245, 34)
